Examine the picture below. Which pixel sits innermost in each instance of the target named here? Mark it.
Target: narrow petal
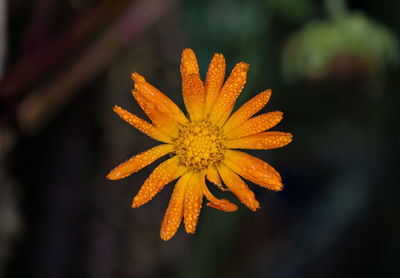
(161, 101)
(213, 177)
(221, 204)
(163, 121)
(214, 80)
(256, 125)
(247, 110)
(230, 91)
(253, 169)
(189, 63)
(160, 177)
(193, 96)
(238, 187)
(139, 161)
(261, 141)
(192, 86)
(192, 204)
(174, 213)
(142, 125)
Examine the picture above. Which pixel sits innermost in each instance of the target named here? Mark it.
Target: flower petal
(160, 177)
(230, 91)
(174, 213)
(256, 125)
(163, 121)
(193, 201)
(238, 187)
(247, 110)
(189, 63)
(193, 96)
(261, 141)
(253, 169)
(221, 204)
(214, 80)
(142, 125)
(213, 177)
(139, 161)
(161, 101)
(192, 86)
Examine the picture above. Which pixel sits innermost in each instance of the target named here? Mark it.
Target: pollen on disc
(199, 144)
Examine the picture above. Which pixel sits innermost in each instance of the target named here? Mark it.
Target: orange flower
(202, 143)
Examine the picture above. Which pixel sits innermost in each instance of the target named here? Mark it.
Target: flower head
(202, 143)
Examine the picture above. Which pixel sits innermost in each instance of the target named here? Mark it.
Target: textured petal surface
(192, 204)
(139, 161)
(214, 80)
(256, 125)
(174, 213)
(247, 110)
(161, 101)
(238, 187)
(189, 63)
(227, 97)
(193, 96)
(163, 121)
(142, 125)
(221, 204)
(253, 169)
(160, 177)
(261, 141)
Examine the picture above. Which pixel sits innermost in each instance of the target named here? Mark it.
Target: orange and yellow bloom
(203, 142)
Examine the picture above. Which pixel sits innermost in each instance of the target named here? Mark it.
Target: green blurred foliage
(310, 52)
(292, 10)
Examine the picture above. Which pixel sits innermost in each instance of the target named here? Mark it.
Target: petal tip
(189, 63)
(224, 205)
(137, 78)
(187, 51)
(243, 65)
(166, 236)
(277, 187)
(137, 202)
(113, 175)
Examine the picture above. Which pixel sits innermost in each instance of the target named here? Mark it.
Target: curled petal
(214, 80)
(139, 161)
(142, 125)
(256, 125)
(160, 177)
(261, 141)
(226, 99)
(192, 204)
(174, 213)
(238, 187)
(253, 169)
(152, 95)
(163, 121)
(193, 96)
(213, 177)
(247, 110)
(221, 204)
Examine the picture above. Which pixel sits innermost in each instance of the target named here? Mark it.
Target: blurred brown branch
(34, 66)
(47, 99)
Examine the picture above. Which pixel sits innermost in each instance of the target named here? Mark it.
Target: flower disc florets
(199, 144)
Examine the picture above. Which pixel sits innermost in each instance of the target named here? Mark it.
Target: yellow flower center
(199, 144)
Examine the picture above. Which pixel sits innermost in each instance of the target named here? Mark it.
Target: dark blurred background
(333, 67)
